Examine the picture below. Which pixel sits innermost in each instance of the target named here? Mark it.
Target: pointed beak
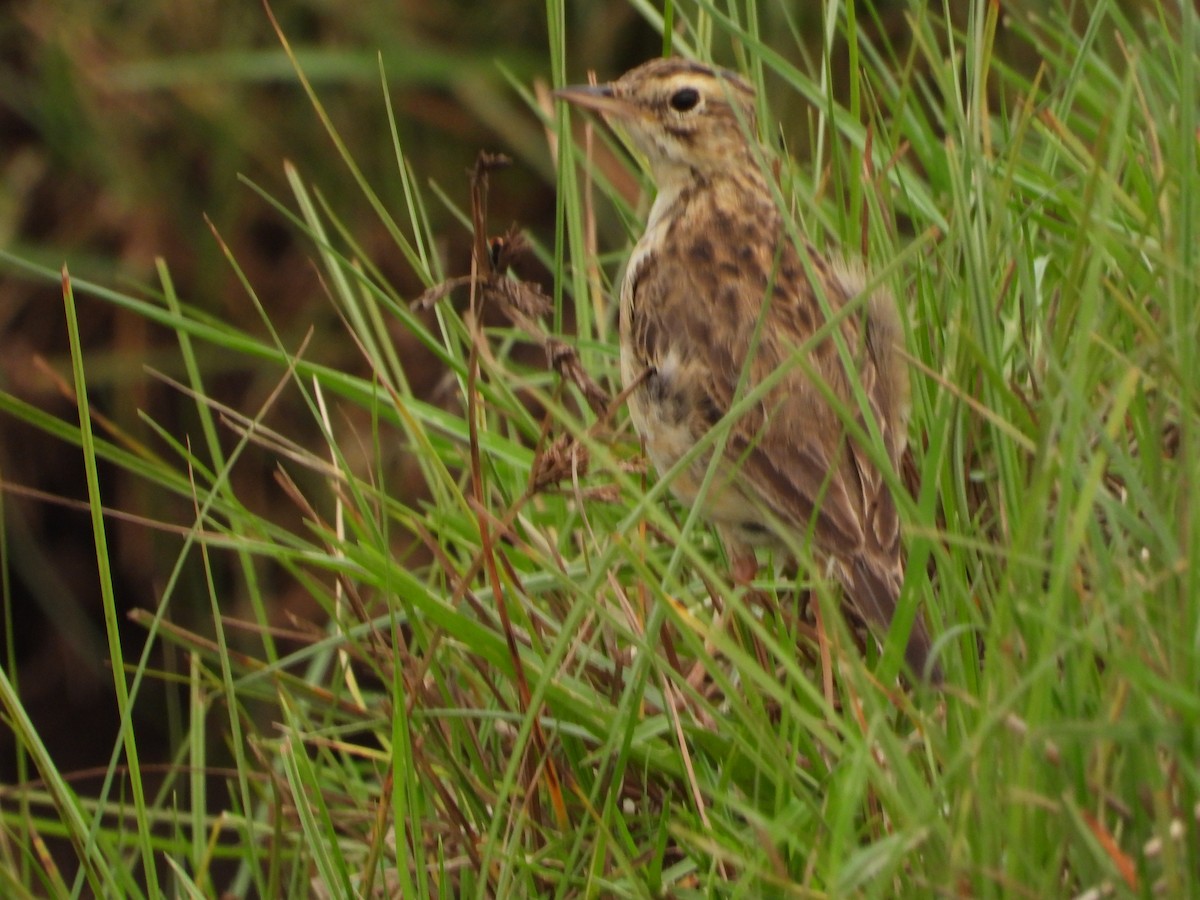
(597, 97)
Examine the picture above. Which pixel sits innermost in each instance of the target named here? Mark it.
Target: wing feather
(722, 316)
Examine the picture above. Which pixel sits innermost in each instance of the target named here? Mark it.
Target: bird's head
(682, 115)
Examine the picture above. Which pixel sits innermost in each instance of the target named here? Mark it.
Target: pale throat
(671, 182)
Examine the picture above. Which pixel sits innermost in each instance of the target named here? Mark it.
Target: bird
(719, 298)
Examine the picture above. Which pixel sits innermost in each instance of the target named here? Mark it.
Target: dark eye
(684, 99)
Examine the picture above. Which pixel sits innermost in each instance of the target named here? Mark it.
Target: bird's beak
(597, 97)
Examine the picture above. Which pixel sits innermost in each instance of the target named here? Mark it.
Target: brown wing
(804, 456)
(695, 336)
(792, 450)
(793, 455)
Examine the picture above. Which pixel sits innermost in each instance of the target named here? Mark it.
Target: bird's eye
(684, 99)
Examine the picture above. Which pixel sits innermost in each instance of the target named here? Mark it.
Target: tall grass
(548, 687)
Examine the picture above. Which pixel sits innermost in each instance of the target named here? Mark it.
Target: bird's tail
(874, 594)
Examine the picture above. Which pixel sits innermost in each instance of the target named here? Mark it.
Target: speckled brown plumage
(717, 298)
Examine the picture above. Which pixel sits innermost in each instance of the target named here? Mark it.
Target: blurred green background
(124, 125)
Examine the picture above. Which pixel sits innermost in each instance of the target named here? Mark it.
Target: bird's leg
(743, 564)
(744, 568)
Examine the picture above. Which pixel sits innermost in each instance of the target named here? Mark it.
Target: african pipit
(718, 298)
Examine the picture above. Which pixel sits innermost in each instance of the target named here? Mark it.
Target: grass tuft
(527, 673)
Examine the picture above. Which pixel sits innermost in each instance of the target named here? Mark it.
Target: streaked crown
(678, 113)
